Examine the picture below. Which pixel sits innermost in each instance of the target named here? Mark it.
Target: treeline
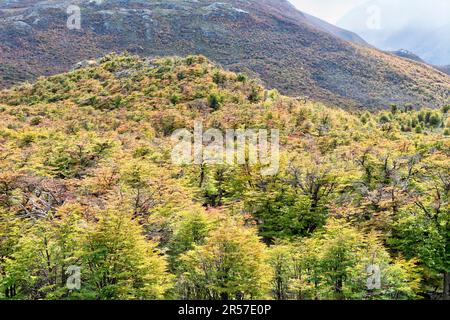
(86, 181)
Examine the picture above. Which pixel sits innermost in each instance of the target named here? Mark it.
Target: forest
(86, 180)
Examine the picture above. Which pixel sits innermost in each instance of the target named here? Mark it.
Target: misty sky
(416, 11)
(329, 10)
(420, 26)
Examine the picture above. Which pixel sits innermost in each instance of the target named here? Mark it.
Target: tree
(281, 212)
(191, 231)
(230, 265)
(296, 201)
(37, 267)
(422, 229)
(215, 100)
(280, 258)
(333, 264)
(119, 263)
(10, 234)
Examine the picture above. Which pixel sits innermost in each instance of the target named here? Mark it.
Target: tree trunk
(338, 288)
(202, 175)
(446, 294)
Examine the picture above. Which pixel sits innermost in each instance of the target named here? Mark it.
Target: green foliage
(35, 267)
(191, 231)
(256, 93)
(445, 109)
(175, 98)
(215, 100)
(230, 265)
(333, 264)
(123, 264)
(384, 119)
(86, 179)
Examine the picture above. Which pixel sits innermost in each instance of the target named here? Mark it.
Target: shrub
(434, 120)
(36, 121)
(219, 77)
(255, 94)
(175, 98)
(242, 78)
(384, 119)
(215, 100)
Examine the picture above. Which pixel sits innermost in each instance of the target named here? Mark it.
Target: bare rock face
(84, 64)
(221, 9)
(287, 49)
(21, 26)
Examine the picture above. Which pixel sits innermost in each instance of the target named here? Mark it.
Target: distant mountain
(412, 56)
(422, 27)
(408, 55)
(334, 30)
(445, 69)
(287, 50)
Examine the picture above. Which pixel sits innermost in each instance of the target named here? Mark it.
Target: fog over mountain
(418, 26)
(329, 10)
(415, 25)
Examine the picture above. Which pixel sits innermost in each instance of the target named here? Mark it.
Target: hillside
(87, 181)
(268, 39)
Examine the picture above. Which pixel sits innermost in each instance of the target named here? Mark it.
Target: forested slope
(86, 180)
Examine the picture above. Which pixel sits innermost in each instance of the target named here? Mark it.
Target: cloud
(434, 13)
(329, 10)
(416, 25)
